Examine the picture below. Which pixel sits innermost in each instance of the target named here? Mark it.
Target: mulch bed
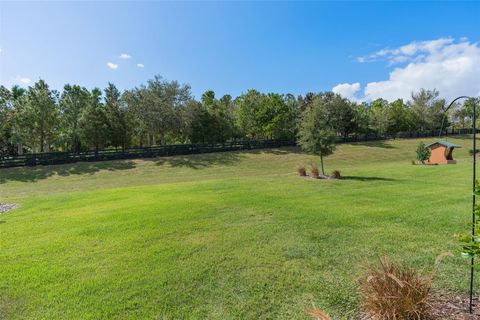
(447, 306)
(453, 307)
(321, 177)
(5, 207)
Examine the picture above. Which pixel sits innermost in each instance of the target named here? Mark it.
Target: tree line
(39, 119)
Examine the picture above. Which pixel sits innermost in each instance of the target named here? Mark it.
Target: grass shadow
(375, 144)
(32, 174)
(199, 161)
(362, 178)
(277, 151)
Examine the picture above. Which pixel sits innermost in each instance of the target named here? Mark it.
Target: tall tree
(73, 101)
(211, 119)
(400, 117)
(137, 114)
(341, 114)
(227, 113)
(316, 136)
(468, 109)
(21, 121)
(93, 122)
(380, 116)
(364, 118)
(427, 109)
(247, 107)
(203, 127)
(6, 113)
(117, 118)
(42, 109)
(276, 118)
(161, 106)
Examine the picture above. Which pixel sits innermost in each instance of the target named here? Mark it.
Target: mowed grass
(224, 236)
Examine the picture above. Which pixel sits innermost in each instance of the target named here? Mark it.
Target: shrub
(302, 171)
(394, 292)
(470, 152)
(314, 171)
(423, 153)
(336, 174)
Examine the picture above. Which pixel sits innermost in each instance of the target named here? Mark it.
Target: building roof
(444, 143)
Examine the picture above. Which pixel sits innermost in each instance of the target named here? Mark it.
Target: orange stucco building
(441, 152)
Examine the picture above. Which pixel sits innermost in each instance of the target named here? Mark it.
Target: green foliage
(315, 136)
(423, 153)
(340, 114)
(73, 102)
(157, 109)
(267, 116)
(93, 122)
(427, 109)
(211, 120)
(470, 244)
(401, 117)
(117, 117)
(468, 107)
(162, 111)
(247, 114)
(6, 117)
(40, 115)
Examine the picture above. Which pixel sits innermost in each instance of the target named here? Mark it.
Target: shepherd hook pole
(474, 178)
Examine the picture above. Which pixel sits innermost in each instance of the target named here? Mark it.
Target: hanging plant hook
(474, 179)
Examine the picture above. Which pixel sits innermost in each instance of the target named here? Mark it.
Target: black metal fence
(51, 158)
(408, 135)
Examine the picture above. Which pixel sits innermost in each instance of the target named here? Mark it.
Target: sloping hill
(223, 236)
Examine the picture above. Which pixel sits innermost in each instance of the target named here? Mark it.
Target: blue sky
(286, 47)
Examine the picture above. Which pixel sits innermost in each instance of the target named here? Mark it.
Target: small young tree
(423, 153)
(315, 136)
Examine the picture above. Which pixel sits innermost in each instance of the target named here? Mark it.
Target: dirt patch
(5, 207)
(448, 306)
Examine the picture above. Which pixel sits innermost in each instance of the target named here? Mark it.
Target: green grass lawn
(224, 236)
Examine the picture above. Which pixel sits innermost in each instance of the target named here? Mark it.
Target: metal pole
(474, 178)
(474, 125)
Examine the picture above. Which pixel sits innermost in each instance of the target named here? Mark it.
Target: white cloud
(25, 80)
(140, 65)
(347, 90)
(452, 67)
(125, 56)
(408, 51)
(112, 65)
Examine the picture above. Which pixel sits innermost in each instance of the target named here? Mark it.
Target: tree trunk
(41, 142)
(74, 144)
(321, 163)
(20, 149)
